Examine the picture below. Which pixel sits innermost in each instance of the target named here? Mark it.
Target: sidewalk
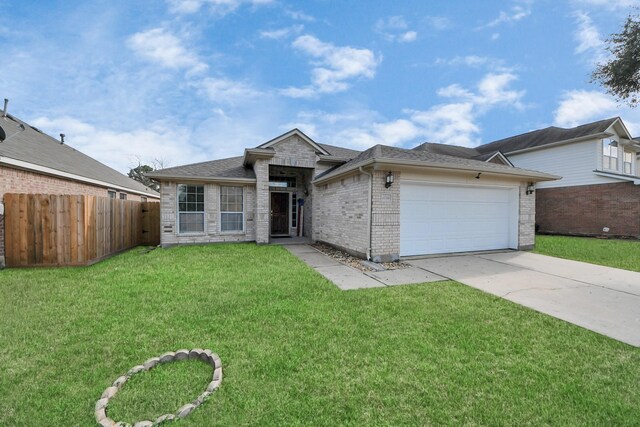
(348, 278)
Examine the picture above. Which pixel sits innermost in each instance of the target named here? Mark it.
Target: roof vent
(62, 135)
(4, 111)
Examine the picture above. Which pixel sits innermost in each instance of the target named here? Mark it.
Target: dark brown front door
(279, 214)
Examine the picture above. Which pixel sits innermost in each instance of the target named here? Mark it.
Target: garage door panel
(443, 219)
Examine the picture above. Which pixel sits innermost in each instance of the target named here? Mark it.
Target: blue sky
(183, 81)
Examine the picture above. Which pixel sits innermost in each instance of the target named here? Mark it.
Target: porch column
(261, 169)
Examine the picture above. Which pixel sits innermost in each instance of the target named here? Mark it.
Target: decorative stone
(109, 392)
(217, 374)
(164, 418)
(195, 353)
(167, 357)
(205, 355)
(101, 414)
(102, 403)
(135, 370)
(213, 385)
(151, 363)
(216, 361)
(107, 422)
(182, 354)
(119, 381)
(185, 410)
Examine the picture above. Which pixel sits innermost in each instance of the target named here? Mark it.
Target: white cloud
(453, 122)
(221, 7)
(588, 37)
(223, 90)
(516, 13)
(122, 149)
(578, 107)
(299, 15)
(609, 4)
(166, 49)
(395, 28)
(439, 23)
(474, 61)
(334, 66)
(282, 32)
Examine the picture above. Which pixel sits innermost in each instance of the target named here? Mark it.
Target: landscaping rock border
(205, 355)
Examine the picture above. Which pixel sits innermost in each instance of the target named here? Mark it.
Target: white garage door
(438, 219)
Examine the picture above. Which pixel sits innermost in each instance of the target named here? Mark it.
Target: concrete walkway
(602, 299)
(349, 278)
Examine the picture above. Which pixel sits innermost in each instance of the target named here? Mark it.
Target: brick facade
(341, 214)
(526, 219)
(588, 209)
(169, 234)
(385, 213)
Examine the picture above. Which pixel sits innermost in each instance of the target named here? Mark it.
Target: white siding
(575, 163)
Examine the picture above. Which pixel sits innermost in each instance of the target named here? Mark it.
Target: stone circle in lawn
(197, 353)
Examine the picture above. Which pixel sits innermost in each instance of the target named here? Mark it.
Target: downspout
(370, 219)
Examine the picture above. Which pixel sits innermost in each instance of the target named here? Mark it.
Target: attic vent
(35, 128)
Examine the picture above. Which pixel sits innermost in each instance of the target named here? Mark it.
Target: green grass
(295, 349)
(623, 254)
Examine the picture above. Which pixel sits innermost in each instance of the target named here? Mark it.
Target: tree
(138, 174)
(620, 74)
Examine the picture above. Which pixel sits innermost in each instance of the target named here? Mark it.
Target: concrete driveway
(603, 299)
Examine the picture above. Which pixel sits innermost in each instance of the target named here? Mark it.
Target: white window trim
(632, 163)
(291, 209)
(244, 209)
(204, 217)
(617, 157)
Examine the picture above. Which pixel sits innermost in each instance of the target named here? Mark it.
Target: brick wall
(168, 217)
(587, 209)
(526, 219)
(385, 228)
(341, 213)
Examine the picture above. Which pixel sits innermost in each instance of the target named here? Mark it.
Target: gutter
(54, 172)
(555, 144)
(161, 177)
(370, 203)
(481, 167)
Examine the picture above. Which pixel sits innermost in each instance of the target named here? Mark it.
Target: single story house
(33, 162)
(381, 203)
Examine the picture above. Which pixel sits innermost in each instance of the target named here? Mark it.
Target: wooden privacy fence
(47, 230)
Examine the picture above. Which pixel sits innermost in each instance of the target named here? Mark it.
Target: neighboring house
(599, 193)
(380, 203)
(33, 162)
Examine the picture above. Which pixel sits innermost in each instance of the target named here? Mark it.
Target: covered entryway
(442, 218)
(280, 213)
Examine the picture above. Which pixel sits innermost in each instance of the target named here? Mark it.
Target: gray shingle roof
(340, 151)
(448, 150)
(384, 152)
(35, 147)
(545, 136)
(223, 168)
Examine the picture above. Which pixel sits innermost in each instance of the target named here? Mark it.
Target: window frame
(221, 212)
(631, 154)
(607, 159)
(111, 194)
(293, 221)
(179, 212)
(123, 196)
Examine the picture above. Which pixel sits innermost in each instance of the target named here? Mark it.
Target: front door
(279, 214)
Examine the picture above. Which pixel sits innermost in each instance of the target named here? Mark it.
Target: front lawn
(295, 349)
(623, 254)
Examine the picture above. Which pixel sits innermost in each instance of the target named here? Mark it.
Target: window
(123, 196)
(609, 154)
(190, 208)
(294, 210)
(231, 209)
(282, 181)
(628, 162)
(143, 199)
(111, 194)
